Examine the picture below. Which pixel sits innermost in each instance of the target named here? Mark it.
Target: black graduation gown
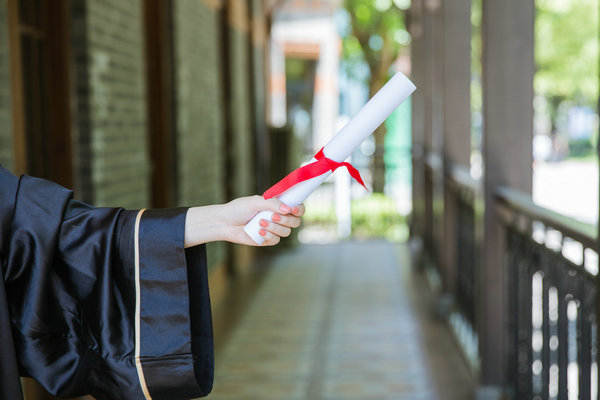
(100, 301)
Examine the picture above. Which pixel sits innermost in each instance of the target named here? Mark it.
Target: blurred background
(468, 270)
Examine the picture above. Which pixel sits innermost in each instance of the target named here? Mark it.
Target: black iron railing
(552, 275)
(431, 171)
(465, 193)
(433, 178)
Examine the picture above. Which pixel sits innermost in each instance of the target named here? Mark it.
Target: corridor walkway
(345, 321)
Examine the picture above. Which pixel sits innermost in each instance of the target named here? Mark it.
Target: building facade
(134, 103)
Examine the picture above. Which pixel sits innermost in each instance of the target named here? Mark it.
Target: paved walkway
(344, 321)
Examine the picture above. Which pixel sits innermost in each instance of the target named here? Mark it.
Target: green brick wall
(198, 100)
(259, 95)
(199, 116)
(6, 149)
(112, 151)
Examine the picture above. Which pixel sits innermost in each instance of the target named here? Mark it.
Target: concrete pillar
(428, 94)
(325, 102)
(434, 127)
(418, 63)
(456, 117)
(508, 69)
(436, 61)
(258, 23)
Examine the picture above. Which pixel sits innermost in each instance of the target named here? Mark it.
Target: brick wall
(242, 146)
(198, 103)
(6, 149)
(199, 117)
(258, 84)
(111, 139)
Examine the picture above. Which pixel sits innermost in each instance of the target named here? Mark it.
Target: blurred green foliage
(567, 67)
(566, 58)
(376, 34)
(581, 148)
(566, 50)
(377, 216)
(373, 216)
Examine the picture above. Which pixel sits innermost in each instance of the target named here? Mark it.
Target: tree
(566, 56)
(566, 50)
(376, 37)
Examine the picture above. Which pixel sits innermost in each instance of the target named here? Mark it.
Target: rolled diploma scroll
(361, 126)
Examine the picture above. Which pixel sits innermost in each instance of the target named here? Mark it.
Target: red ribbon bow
(322, 165)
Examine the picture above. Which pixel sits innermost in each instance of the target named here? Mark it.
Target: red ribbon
(322, 165)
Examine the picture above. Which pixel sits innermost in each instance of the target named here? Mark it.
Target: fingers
(270, 238)
(298, 210)
(275, 228)
(286, 220)
(282, 221)
(280, 226)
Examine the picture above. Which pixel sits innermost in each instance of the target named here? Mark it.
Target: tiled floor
(345, 321)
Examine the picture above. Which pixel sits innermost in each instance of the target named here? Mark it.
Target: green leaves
(566, 50)
(377, 34)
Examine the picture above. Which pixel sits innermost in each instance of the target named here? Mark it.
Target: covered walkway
(346, 321)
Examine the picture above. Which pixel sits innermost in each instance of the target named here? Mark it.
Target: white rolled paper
(361, 126)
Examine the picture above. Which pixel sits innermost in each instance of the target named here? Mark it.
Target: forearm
(205, 224)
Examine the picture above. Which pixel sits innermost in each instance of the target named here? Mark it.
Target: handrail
(461, 176)
(584, 233)
(434, 161)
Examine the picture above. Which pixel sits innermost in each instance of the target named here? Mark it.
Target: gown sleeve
(106, 301)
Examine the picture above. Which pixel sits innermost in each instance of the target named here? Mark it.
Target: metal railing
(466, 195)
(551, 284)
(552, 278)
(433, 169)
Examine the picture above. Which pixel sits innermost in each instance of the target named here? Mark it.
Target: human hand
(227, 221)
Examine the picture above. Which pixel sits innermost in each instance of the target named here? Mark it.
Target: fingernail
(263, 223)
(295, 210)
(285, 209)
(262, 232)
(276, 217)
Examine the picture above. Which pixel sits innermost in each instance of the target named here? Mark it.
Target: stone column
(456, 117)
(436, 106)
(508, 69)
(428, 127)
(418, 62)
(431, 142)
(325, 102)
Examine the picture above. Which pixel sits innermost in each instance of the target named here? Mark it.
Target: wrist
(203, 225)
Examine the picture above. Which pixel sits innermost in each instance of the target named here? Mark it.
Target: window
(40, 88)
